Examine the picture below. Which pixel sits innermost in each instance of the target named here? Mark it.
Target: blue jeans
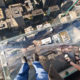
(41, 74)
(23, 73)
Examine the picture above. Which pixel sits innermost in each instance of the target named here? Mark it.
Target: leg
(41, 74)
(23, 73)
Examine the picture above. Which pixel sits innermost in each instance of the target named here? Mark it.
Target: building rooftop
(3, 25)
(16, 10)
(1, 14)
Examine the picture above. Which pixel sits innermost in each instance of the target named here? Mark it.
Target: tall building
(19, 1)
(2, 3)
(13, 1)
(1, 14)
(16, 13)
(28, 5)
(8, 1)
(51, 2)
(45, 3)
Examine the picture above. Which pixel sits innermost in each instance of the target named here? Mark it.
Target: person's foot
(24, 59)
(35, 57)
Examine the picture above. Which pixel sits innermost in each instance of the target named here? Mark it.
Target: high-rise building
(53, 2)
(19, 1)
(1, 14)
(13, 1)
(2, 3)
(37, 16)
(8, 1)
(28, 5)
(16, 13)
(47, 3)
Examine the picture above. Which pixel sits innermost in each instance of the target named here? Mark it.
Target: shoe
(35, 57)
(24, 59)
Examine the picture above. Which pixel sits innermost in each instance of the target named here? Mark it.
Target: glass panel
(11, 52)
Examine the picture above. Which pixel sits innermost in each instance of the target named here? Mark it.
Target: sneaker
(35, 57)
(24, 59)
